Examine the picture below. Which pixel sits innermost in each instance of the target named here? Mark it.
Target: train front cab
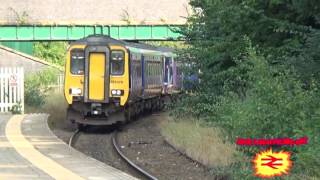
(96, 83)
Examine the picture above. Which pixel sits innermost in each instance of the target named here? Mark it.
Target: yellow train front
(105, 81)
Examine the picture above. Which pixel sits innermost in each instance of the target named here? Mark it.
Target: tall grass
(201, 143)
(55, 105)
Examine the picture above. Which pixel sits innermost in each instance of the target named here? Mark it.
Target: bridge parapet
(67, 33)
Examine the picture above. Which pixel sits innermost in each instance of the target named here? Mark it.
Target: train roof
(134, 47)
(98, 39)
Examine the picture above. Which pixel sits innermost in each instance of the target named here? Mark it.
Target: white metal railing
(59, 84)
(11, 89)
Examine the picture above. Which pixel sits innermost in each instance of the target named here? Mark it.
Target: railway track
(73, 136)
(125, 158)
(118, 151)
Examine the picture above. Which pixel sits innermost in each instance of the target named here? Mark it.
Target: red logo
(271, 162)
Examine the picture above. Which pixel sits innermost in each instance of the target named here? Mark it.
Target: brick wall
(94, 11)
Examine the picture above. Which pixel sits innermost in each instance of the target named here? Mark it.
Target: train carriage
(108, 80)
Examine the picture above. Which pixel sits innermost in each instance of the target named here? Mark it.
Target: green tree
(283, 30)
(53, 52)
(259, 62)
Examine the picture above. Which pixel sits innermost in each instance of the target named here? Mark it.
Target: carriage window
(77, 62)
(117, 62)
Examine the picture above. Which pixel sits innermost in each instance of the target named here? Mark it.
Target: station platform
(29, 150)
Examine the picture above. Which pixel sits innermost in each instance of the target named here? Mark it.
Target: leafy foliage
(53, 52)
(16, 108)
(169, 44)
(259, 62)
(280, 29)
(37, 87)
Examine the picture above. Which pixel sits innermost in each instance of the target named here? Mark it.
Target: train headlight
(117, 92)
(75, 91)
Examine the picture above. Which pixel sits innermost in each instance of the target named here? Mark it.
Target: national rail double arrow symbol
(271, 162)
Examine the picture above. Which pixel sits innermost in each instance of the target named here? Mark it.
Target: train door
(168, 72)
(97, 74)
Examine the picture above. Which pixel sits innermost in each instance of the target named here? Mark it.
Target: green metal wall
(21, 37)
(25, 47)
(66, 33)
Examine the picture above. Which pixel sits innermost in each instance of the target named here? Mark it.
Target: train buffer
(29, 150)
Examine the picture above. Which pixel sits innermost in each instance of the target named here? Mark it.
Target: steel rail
(72, 137)
(136, 167)
(120, 153)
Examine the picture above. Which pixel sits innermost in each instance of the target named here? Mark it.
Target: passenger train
(108, 80)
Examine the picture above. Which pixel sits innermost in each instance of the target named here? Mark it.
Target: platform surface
(29, 150)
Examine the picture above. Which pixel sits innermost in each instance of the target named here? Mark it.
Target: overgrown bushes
(275, 104)
(41, 96)
(259, 63)
(37, 86)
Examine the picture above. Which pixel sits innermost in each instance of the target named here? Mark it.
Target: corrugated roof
(31, 58)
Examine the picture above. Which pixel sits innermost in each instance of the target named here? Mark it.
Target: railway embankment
(201, 143)
(142, 141)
